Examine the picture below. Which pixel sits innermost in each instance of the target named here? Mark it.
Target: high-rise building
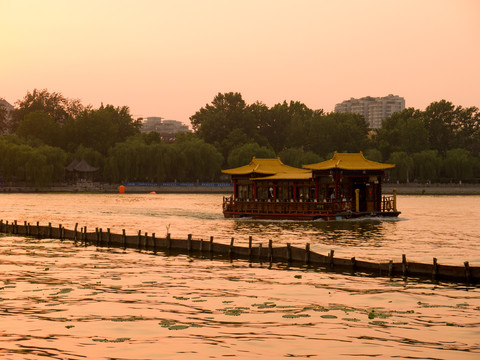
(375, 109)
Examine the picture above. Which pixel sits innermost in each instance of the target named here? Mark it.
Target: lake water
(63, 301)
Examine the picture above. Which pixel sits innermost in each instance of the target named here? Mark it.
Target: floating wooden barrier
(290, 255)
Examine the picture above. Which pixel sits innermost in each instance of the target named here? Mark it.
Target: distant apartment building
(375, 109)
(166, 128)
(8, 108)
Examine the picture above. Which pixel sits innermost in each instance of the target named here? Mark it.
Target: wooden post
(354, 264)
(60, 232)
(270, 251)
(289, 253)
(404, 265)
(154, 240)
(250, 248)
(15, 227)
(85, 236)
(28, 229)
(390, 268)
(230, 249)
(435, 269)
(146, 242)
(467, 272)
(50, 230)
(189, 242)
(100, 237)
(260, 253)
(394, 199)
(330, 258)
(169, 242)
(357, 200)
(139, 247)
(38, 229)
(124, 237)
(75, 234)
(210, 246)
(109, 237)
(25, 225)
(307, 254)
(96, 236)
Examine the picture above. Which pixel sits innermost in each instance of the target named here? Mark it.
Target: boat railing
(388, 203)
(286, 206)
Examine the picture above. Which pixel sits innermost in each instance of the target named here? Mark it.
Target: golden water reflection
(58, 300)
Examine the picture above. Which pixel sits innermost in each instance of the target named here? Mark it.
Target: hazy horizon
(169, 59)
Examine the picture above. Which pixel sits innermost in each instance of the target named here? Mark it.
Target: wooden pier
(290, 255)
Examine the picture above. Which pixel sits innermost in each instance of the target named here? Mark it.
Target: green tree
(39, 125)
(243, 155)
(189, 159)
(440, 121)
(54, 104)
(100, 129)
(91, 156)
(427, 165)
(404, 131)
(201, 161)
(56, 160)
(468, 129)
(37, 166)
(459, 164)
(286, 125)
(297, 157)
(403, 169)
(227, 112)
(44, 165)
(167, 158)
(374, 155)
(342, 132)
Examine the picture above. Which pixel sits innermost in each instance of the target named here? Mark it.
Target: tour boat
(346, 186)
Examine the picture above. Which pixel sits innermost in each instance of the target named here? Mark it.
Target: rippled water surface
(64, 301)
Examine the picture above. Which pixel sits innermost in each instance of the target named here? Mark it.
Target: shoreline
(432, 189)
(100, 188)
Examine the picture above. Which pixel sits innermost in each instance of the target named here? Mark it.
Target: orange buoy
(152, 192)
(121, 189)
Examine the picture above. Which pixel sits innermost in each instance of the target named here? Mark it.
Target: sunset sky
(170, 58)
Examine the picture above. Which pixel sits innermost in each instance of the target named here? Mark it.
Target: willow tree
(459, 164)
(426, 165)
(403, 169)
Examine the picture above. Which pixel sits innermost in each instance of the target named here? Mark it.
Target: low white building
(166, 128)
(9, 108)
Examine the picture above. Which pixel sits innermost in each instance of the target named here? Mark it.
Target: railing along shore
(290, 255)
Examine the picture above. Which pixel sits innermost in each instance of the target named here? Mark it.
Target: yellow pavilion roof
(287, 176)
(266, 167)
(348, 161)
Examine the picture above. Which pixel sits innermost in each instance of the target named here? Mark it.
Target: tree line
(47, 131)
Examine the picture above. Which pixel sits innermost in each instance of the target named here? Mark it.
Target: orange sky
(170, 58)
